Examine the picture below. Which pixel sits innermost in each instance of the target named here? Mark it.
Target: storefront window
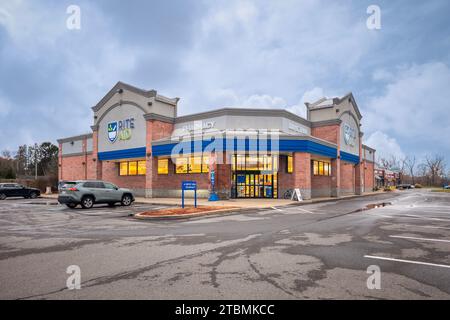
(205, 164)
(321, 168)
(194, 164)
(290, 164)
(123, 171)
(181, 165)
(132, 168)
(163, 166)
(141, 168)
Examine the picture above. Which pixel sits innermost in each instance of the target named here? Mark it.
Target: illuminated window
(163, 166)
(290, 164)
(181, 165)
(321, 168)
(205, 164)
(132, 168)
(141, 168)
(195, 165)
(123, 171)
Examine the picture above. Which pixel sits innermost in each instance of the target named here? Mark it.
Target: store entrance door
(255, 185)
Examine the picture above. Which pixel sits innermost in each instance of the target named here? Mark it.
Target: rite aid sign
(349, 135)
(120, 130)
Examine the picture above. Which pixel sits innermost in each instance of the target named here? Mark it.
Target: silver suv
(89, 192)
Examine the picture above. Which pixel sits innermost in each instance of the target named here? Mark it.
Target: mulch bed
(181, 211)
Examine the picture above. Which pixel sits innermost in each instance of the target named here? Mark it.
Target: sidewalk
(240, 203)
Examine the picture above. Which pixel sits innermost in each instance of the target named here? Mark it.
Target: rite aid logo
(349, 135)
(120, 130)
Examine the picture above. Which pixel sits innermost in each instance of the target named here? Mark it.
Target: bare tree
(410, 164)
(435, 166)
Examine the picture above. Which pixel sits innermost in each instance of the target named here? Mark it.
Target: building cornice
(324, 123)
(243, 112)
(75, 138)
(154, 116)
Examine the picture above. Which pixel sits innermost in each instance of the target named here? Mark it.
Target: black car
(17, 190)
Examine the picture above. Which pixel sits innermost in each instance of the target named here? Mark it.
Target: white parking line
(422, 239)
(408, 261)
(428, 227)
(304, 210)
(275, 208)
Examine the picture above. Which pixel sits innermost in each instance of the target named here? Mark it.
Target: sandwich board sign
(296, 195)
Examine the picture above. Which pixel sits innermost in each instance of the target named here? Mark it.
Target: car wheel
(2, 196)
(87, 202)
(33, 195)
(71, 205)
(126, 200)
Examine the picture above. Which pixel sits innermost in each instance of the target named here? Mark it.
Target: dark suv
(17, 190)
(89, 192)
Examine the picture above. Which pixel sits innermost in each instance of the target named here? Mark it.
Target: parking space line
(408, 261)
(428, 227)
(422, 239)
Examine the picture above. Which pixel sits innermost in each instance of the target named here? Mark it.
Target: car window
(94, 184)
(68, 184)
(109, 185)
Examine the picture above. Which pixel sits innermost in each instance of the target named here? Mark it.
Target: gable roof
(124, 86)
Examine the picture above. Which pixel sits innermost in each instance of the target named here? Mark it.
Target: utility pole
(35, 161)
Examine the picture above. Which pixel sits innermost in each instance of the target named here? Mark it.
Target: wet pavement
(316, 251)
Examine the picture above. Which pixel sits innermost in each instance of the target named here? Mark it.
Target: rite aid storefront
(139, 142)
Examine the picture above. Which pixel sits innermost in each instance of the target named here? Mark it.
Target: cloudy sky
(274, 54)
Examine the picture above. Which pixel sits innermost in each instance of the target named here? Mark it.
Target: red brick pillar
(96, 163)
(359, 176)
(302, 173)
(60, 164)
(335, 177)
(223, 176)
(150, 160)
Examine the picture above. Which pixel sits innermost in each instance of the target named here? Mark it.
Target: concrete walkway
(240, 203)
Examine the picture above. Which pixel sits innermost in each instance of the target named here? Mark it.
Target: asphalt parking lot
(316, 251)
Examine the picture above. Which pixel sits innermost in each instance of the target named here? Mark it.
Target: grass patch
(440, 190)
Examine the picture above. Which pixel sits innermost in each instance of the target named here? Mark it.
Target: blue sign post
(189, 185)
(213, 195)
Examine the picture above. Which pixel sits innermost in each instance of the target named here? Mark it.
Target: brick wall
(369, 182)
(285, 179)
(72, 168)
(169, 185)
(347, 178)
(328, 133)
(110, 173)
(320, 186)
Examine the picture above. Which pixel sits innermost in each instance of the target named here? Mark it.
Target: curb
(139, 216)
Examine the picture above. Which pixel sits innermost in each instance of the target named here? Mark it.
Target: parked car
(17, 190)
(90, 192)
(447, 187)
(404, 186)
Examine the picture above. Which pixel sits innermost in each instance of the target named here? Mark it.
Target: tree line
(30, 160)
(431, 171)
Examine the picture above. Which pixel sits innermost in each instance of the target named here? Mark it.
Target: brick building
(138, 141)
